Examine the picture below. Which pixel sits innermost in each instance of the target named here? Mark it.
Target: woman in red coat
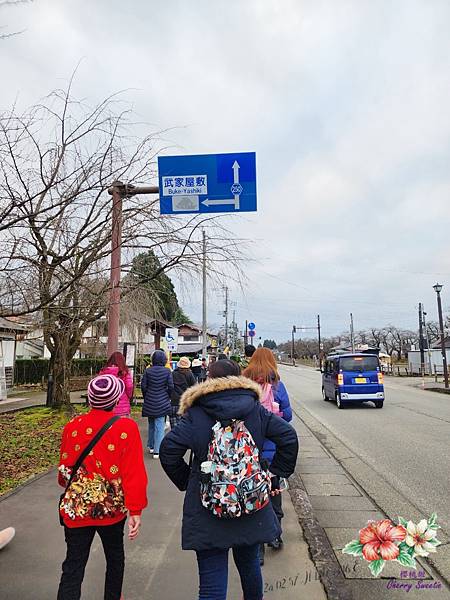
(110, 484)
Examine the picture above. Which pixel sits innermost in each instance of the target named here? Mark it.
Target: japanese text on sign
(185, 185)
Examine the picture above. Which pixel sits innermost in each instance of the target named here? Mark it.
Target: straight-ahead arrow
(225, 201)
(236, 168)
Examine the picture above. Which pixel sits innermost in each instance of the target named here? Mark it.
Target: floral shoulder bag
(82, 456)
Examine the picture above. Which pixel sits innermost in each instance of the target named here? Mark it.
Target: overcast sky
(345, 102)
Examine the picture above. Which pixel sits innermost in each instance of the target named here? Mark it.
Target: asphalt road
(399, 454)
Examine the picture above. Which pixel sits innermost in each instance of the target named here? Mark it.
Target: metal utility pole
(294, 329)
(437, 288)
(430, 364)
(204, 332)
(320, 342)
(233, 343)
(352, 333)
(118, 191)
(246, 333)
(421, 344)
(226, 316)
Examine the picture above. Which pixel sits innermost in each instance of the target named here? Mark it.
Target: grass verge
(29, 442)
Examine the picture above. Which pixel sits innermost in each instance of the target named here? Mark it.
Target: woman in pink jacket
(116, 366)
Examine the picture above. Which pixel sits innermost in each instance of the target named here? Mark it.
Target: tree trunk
(60, 364)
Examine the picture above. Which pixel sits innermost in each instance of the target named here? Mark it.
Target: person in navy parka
(157, 387)
(225, 396)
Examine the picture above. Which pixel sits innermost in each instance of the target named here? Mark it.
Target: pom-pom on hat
(104, 391)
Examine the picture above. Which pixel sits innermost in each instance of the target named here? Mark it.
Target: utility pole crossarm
(127, 190)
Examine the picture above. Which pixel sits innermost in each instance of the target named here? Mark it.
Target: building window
(190, 338)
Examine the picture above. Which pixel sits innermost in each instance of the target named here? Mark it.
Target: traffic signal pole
(294, 329)
(320, 342)
(319, 339)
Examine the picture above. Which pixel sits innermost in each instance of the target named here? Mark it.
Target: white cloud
(345, 103)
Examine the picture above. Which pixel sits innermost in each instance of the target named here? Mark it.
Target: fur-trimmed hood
(247, 387)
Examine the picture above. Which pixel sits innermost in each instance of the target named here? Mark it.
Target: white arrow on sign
(236, 168)
(218, 202)
(225, 201)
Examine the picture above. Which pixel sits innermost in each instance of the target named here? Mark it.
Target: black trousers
(276, 500)
(79, 540)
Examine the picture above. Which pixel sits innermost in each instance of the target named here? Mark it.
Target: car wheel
(379, 404)
(339, 402)
(324, 396)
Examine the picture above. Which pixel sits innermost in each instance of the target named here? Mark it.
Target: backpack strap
(89, 447)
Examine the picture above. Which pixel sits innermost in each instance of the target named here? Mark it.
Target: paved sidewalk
(341, 508)
(156, 565)
(28, 399)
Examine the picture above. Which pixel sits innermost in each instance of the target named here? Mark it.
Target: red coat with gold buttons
(112, 480)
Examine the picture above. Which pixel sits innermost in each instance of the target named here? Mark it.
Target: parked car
(350, 378)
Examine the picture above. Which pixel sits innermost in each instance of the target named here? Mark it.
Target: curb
(29, 481)
(321, 552)
(433, 569)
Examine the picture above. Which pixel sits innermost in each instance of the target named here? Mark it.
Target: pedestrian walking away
(249, 351)
(110, 483)
(263, 369)
(116, 366)
(197, 368)
(157, 388)
(182, 379)
(224, 426)
(204, 370)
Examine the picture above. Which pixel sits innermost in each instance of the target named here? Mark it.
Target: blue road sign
(251, 326)
(207, 183)
(252, 333)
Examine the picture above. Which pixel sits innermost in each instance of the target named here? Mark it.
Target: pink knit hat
(104, 391)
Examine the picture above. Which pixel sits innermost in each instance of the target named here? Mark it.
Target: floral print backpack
(233, 481)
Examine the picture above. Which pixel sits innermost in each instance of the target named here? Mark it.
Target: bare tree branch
(57, 160)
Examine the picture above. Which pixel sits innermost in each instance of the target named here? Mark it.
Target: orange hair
(262, 367)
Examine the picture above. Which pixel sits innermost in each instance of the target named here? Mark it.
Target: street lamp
(437, 288)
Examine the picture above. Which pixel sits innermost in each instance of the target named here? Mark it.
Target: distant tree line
(392, 340)
(271, 344)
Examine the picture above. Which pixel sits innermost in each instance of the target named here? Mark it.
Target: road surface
(399, 454)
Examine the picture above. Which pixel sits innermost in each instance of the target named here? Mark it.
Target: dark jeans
(79, 540)
(213, 573)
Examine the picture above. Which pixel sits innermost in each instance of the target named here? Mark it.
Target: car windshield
(359, 363)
